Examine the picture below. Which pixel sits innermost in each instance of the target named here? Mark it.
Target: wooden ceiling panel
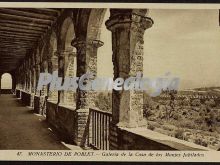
(20, 30)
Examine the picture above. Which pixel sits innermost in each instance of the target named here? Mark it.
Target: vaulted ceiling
(20, 30)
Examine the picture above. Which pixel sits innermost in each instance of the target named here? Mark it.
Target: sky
(185, 43)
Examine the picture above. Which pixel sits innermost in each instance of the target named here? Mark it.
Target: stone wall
(37, 104)
(6, 91)
(62, 119)
(17, 93)
(25, 98)
(131, 141)
(144, 139)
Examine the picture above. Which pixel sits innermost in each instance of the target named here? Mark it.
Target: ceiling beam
(5, 44)
(13, 49)
(7, 25)
(50, 12)
(8, 40)
(18, 37)
(8, 29)
(26, 19)
(19, 33)
(15, 43)
(24, 23)
(57, 11)
(27, 14)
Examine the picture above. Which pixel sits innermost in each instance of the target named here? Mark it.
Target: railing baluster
(107, 133)
(100, 130)
(103, 131)
(95, 128)
(98, 135)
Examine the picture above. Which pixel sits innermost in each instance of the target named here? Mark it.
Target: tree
(210, 103)
(103, 101)
(186, 102)
(196, 102)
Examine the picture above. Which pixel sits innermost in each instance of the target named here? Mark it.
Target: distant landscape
(192, 115)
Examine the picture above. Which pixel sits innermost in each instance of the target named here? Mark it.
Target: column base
(82, 126)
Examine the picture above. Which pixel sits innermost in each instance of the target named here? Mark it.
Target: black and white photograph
(90, 79)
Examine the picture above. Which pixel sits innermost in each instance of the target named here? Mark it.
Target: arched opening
(52, 64)
(70, 64)
(37, 70)
(105, 66)
(6, 83)
(187, 52)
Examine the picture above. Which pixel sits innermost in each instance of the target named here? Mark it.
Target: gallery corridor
(22, 129)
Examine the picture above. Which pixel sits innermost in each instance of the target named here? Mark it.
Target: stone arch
(29, 74)
(37, 56)
(52, 62)
(53, 42)
(43, 65)
(97, 31)
(43, 53)
(67, 33)
(52, 53)
(68, 53)
(95, 22)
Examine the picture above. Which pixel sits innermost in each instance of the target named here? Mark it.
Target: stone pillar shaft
(63, 59)
(53, 66)
(37, 70)
(69, 96)
(86, 63)
(127, 27)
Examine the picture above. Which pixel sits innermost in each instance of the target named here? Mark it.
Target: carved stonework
(69, 96)
(33, 85)
(37, 71)
(86, 62)
(86, 99)
(87, 53)
(128, 27)
(63, 57)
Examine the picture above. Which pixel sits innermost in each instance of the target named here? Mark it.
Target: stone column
(44, 69)
(128, 27)
(53, 66)
(14, 81)
(70, 72)
(86, 62)
(29, 78)
(0, 83)
(37, 71)
(18, 74)
(62, 65)
(68, 97)
(33, 85)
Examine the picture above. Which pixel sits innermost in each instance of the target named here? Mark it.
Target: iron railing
(98, 135)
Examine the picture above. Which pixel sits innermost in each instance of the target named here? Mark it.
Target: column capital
(122, 18)
(37, 65)
(72, 54)
(54, 54)
(63, 53)
(89, 42)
